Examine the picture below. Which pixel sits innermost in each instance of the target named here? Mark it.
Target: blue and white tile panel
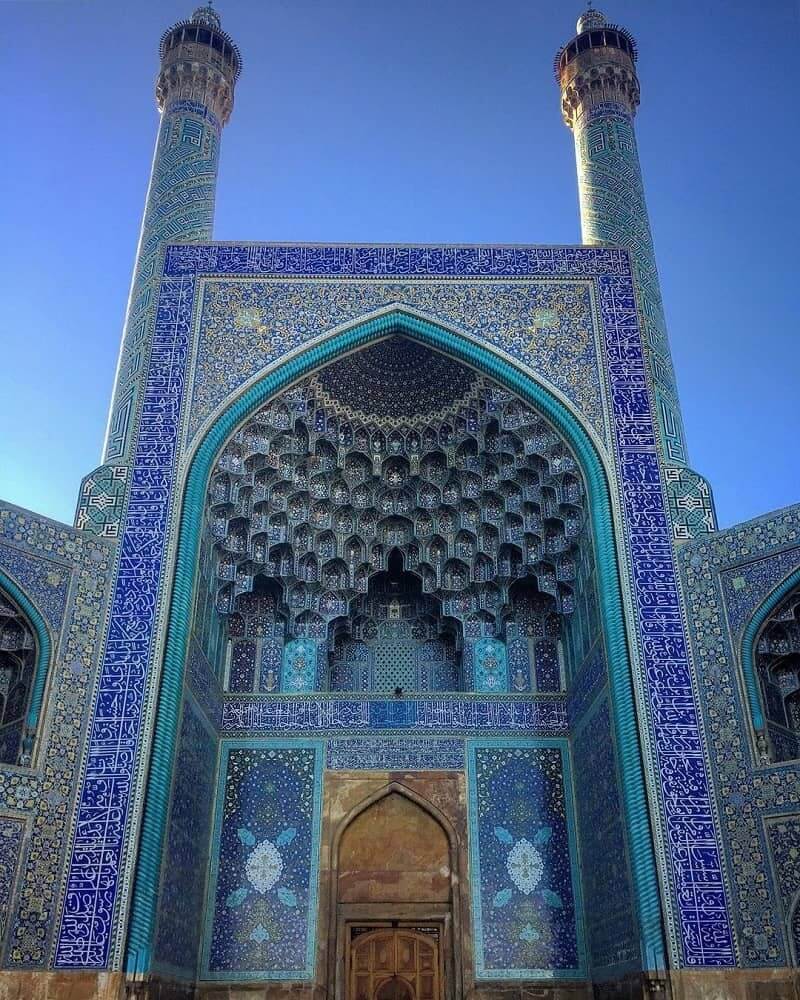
(692, 839)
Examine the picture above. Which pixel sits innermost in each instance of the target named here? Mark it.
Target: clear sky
(413, 121)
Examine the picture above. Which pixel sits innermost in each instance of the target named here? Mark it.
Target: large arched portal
(393, 526)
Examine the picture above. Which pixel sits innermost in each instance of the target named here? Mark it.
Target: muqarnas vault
(395, 652)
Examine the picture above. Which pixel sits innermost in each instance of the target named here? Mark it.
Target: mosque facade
(395, 651)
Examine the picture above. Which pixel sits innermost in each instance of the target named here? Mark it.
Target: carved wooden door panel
(394, 963)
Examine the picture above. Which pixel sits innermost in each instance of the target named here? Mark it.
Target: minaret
(200, 65)
(599, 96)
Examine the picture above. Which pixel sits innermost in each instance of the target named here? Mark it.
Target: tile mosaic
(611, 923)
(46, 794)
(264, 877)
(756, 553)
(386, 754)
(701, 912)
(526, 896)
(181, 903)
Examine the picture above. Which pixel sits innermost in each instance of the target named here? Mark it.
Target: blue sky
(420, 121)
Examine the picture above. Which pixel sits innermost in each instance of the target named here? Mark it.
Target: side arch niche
(24, 654)
(776, 655)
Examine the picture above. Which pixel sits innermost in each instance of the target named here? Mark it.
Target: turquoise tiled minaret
(599, 97)
(194, 90)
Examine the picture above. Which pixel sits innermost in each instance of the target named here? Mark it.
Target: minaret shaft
(194, 89)
(600, 93)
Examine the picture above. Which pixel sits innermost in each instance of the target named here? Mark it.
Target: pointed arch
(43, 648)
(748, 648)
(454, 848)
(396, 788)
(393, 321)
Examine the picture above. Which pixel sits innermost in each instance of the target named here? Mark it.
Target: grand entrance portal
(394, 963)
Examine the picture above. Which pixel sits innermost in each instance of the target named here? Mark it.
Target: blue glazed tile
(92, 895)
(265, 872)
(526, 900)
(388, 754)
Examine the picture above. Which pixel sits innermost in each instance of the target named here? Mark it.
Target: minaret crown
(597, 67)
(199, 62)
(207, 16)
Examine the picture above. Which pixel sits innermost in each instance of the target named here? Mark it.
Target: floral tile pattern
(526, 901)
(546, 325)
(264, 875)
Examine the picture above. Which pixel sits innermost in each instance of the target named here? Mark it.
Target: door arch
(418, 876)
(395, 989)
(392, 321)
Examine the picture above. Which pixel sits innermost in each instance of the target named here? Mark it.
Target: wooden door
(394, 963)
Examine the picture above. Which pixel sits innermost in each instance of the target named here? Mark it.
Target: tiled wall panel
(265, 862)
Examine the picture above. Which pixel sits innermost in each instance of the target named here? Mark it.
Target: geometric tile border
(97, 882)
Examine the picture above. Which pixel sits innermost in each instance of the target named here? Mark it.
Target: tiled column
(599, 97)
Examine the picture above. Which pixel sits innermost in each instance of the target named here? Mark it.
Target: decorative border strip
(107, 783)
(692, 840)
(372, 261)
(386, 754)
(692, 843)
(429, 715)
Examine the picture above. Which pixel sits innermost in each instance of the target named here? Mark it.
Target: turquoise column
(194, 90)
